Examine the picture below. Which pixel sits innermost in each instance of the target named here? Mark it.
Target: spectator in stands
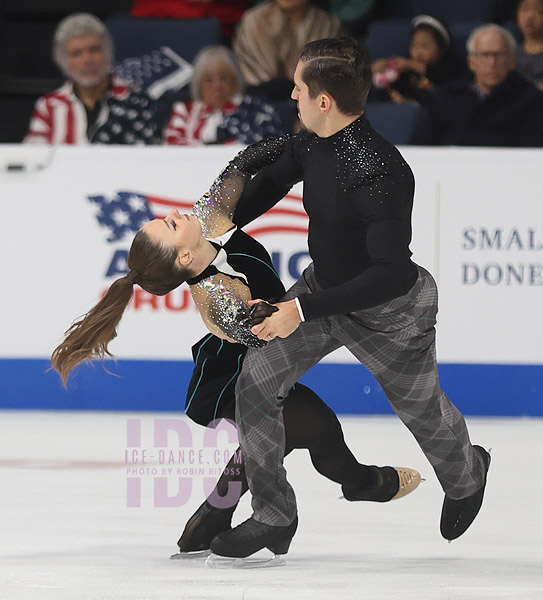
(270, 38)
(219, 112)
(94, 105)
(498, 108)
(529, 59)
(430, 63)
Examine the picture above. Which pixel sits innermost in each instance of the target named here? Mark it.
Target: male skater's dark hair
(340, 67)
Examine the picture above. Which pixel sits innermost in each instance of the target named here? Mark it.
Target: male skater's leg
(267, 375)
(398, 347)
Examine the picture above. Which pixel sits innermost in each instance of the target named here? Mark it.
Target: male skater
(361, 291)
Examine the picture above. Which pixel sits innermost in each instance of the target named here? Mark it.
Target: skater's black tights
(310, 423)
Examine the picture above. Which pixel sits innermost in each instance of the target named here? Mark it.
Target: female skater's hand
(280, 323)
(260, 309)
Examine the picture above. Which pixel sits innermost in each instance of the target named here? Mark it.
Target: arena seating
(396, 122)
(135, 36)
(449, 11)
(26, 31)
(388, 38)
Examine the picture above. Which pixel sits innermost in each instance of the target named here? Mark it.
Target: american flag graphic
(123, 213)
(156, 72)
(288, 216)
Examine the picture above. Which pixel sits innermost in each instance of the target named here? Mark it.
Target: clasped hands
(273, 320)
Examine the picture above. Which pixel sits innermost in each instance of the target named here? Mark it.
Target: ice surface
(66, 531)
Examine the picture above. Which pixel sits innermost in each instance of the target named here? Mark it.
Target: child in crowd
(529, 60)
(430, 63)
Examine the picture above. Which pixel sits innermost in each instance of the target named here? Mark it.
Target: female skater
(225, 268)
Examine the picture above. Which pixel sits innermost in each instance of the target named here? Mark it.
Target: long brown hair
(153, 267)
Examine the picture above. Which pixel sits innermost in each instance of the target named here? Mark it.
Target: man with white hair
(498, 107)
(94, 105)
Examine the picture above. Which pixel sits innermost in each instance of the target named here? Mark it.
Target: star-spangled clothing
(125, 117)
(156, 72)
(243, 119)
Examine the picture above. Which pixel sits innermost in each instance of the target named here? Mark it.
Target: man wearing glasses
(498, 107)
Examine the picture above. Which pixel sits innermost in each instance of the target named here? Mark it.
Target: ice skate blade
(215, 561)
(188, 555)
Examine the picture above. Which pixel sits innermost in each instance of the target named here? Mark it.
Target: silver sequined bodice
(224, 305)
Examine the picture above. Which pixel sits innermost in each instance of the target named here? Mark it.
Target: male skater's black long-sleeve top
(358, 193)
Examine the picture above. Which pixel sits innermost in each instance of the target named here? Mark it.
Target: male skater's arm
(390, 273)
(389, 276)
(269, 185)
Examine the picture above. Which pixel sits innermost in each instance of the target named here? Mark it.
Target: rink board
(507, 390)
(477, 227)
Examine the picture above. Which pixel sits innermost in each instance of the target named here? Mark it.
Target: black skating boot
(252, 536)
(208, 521)
(383, 484)
(458, 515)
(203, 526)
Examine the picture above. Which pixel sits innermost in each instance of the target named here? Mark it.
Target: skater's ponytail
(153, 267)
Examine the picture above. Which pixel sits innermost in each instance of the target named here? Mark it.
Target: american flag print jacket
(125, 117)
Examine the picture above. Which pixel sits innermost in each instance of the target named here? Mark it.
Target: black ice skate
(235, 548)
(201, 528)
(384, 484)
(458, 515)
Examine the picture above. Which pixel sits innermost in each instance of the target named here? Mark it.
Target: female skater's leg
(311, 424)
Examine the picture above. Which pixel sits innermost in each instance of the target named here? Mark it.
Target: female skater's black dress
(217, 362)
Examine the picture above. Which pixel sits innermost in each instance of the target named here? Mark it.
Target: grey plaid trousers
(396, 342)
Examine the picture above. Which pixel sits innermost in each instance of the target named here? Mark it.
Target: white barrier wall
(69, 215)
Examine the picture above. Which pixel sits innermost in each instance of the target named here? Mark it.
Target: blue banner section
(505, 390)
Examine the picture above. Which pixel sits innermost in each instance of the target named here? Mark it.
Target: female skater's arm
(223, 305)
(215, 209)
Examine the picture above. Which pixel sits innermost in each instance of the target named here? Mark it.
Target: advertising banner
(70, 215)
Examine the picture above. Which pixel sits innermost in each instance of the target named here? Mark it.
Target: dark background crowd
(191, 72)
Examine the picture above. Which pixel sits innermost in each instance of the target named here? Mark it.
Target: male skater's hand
(280, 323)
